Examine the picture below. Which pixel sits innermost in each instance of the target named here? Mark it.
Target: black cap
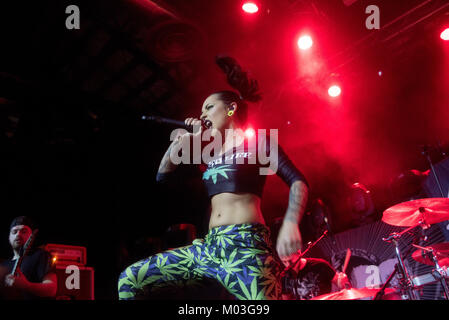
(23, 220)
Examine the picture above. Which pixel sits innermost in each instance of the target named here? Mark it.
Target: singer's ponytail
(246, 89)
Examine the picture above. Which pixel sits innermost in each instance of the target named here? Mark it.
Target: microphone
(206, 124)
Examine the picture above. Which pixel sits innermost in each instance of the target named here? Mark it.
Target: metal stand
(381, 292)
(292, 266)
(310, 245)
(405, 282)
(439, 273)
(425, 152)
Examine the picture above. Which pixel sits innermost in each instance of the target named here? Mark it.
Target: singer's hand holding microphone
(194, 127)
(188, 124)
(183, 137)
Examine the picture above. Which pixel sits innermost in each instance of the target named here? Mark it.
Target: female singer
(236, 250)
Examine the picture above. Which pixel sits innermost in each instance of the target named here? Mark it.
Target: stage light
(334, 91)
(249, 133)
(250, 7)
(305, 42)
(445, 34)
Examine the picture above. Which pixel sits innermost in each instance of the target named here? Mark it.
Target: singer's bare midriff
(235, 208)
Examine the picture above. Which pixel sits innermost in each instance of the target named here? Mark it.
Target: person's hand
(18, 281)
(196, 123)
(182, 138)
(289, 240)
(341, 280)
(292, 262)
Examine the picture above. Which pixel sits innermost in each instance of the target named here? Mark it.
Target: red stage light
(250, 7)
(334, 91)
(249, 133)
(445, 34)
(305, 42)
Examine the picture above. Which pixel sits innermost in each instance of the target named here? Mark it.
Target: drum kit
(416, 215)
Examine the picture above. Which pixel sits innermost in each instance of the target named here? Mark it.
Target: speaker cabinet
(75, 282)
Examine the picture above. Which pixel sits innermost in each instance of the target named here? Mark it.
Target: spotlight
(334, 91)
(249, 133)
(305, 42)
(445, 34)
(250, 7)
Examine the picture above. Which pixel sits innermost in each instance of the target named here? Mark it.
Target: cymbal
(441, 251)
(411, 213)
(352, 294)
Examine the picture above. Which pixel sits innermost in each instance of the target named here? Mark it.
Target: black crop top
(239, 170)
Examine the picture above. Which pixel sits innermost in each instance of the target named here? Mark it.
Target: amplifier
(75, 282)
(64, 255)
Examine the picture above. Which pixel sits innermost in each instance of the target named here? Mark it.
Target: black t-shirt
(313, 280)
(35, 266)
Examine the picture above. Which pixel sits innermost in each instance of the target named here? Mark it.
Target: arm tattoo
(166, 165)
(297, 202)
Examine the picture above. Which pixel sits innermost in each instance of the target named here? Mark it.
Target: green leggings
(238, 256)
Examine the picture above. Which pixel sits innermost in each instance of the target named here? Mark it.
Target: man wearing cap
(35, 278)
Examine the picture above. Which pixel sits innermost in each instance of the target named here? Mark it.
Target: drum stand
(425, 152)
(381, 292)
(405, 282)
(439, 273)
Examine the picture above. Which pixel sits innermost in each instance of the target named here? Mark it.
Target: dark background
(76, 156)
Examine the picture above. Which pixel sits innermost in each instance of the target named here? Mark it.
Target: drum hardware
(381, 292)
(424, 212)
(424, 279)
(352, 294)
(310, 245)
(405, 281)
(438, 273)
(420, 213)
(411, 214)
(441, 250)
(425, 152)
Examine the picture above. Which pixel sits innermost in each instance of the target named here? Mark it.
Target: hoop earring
(230, 113)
